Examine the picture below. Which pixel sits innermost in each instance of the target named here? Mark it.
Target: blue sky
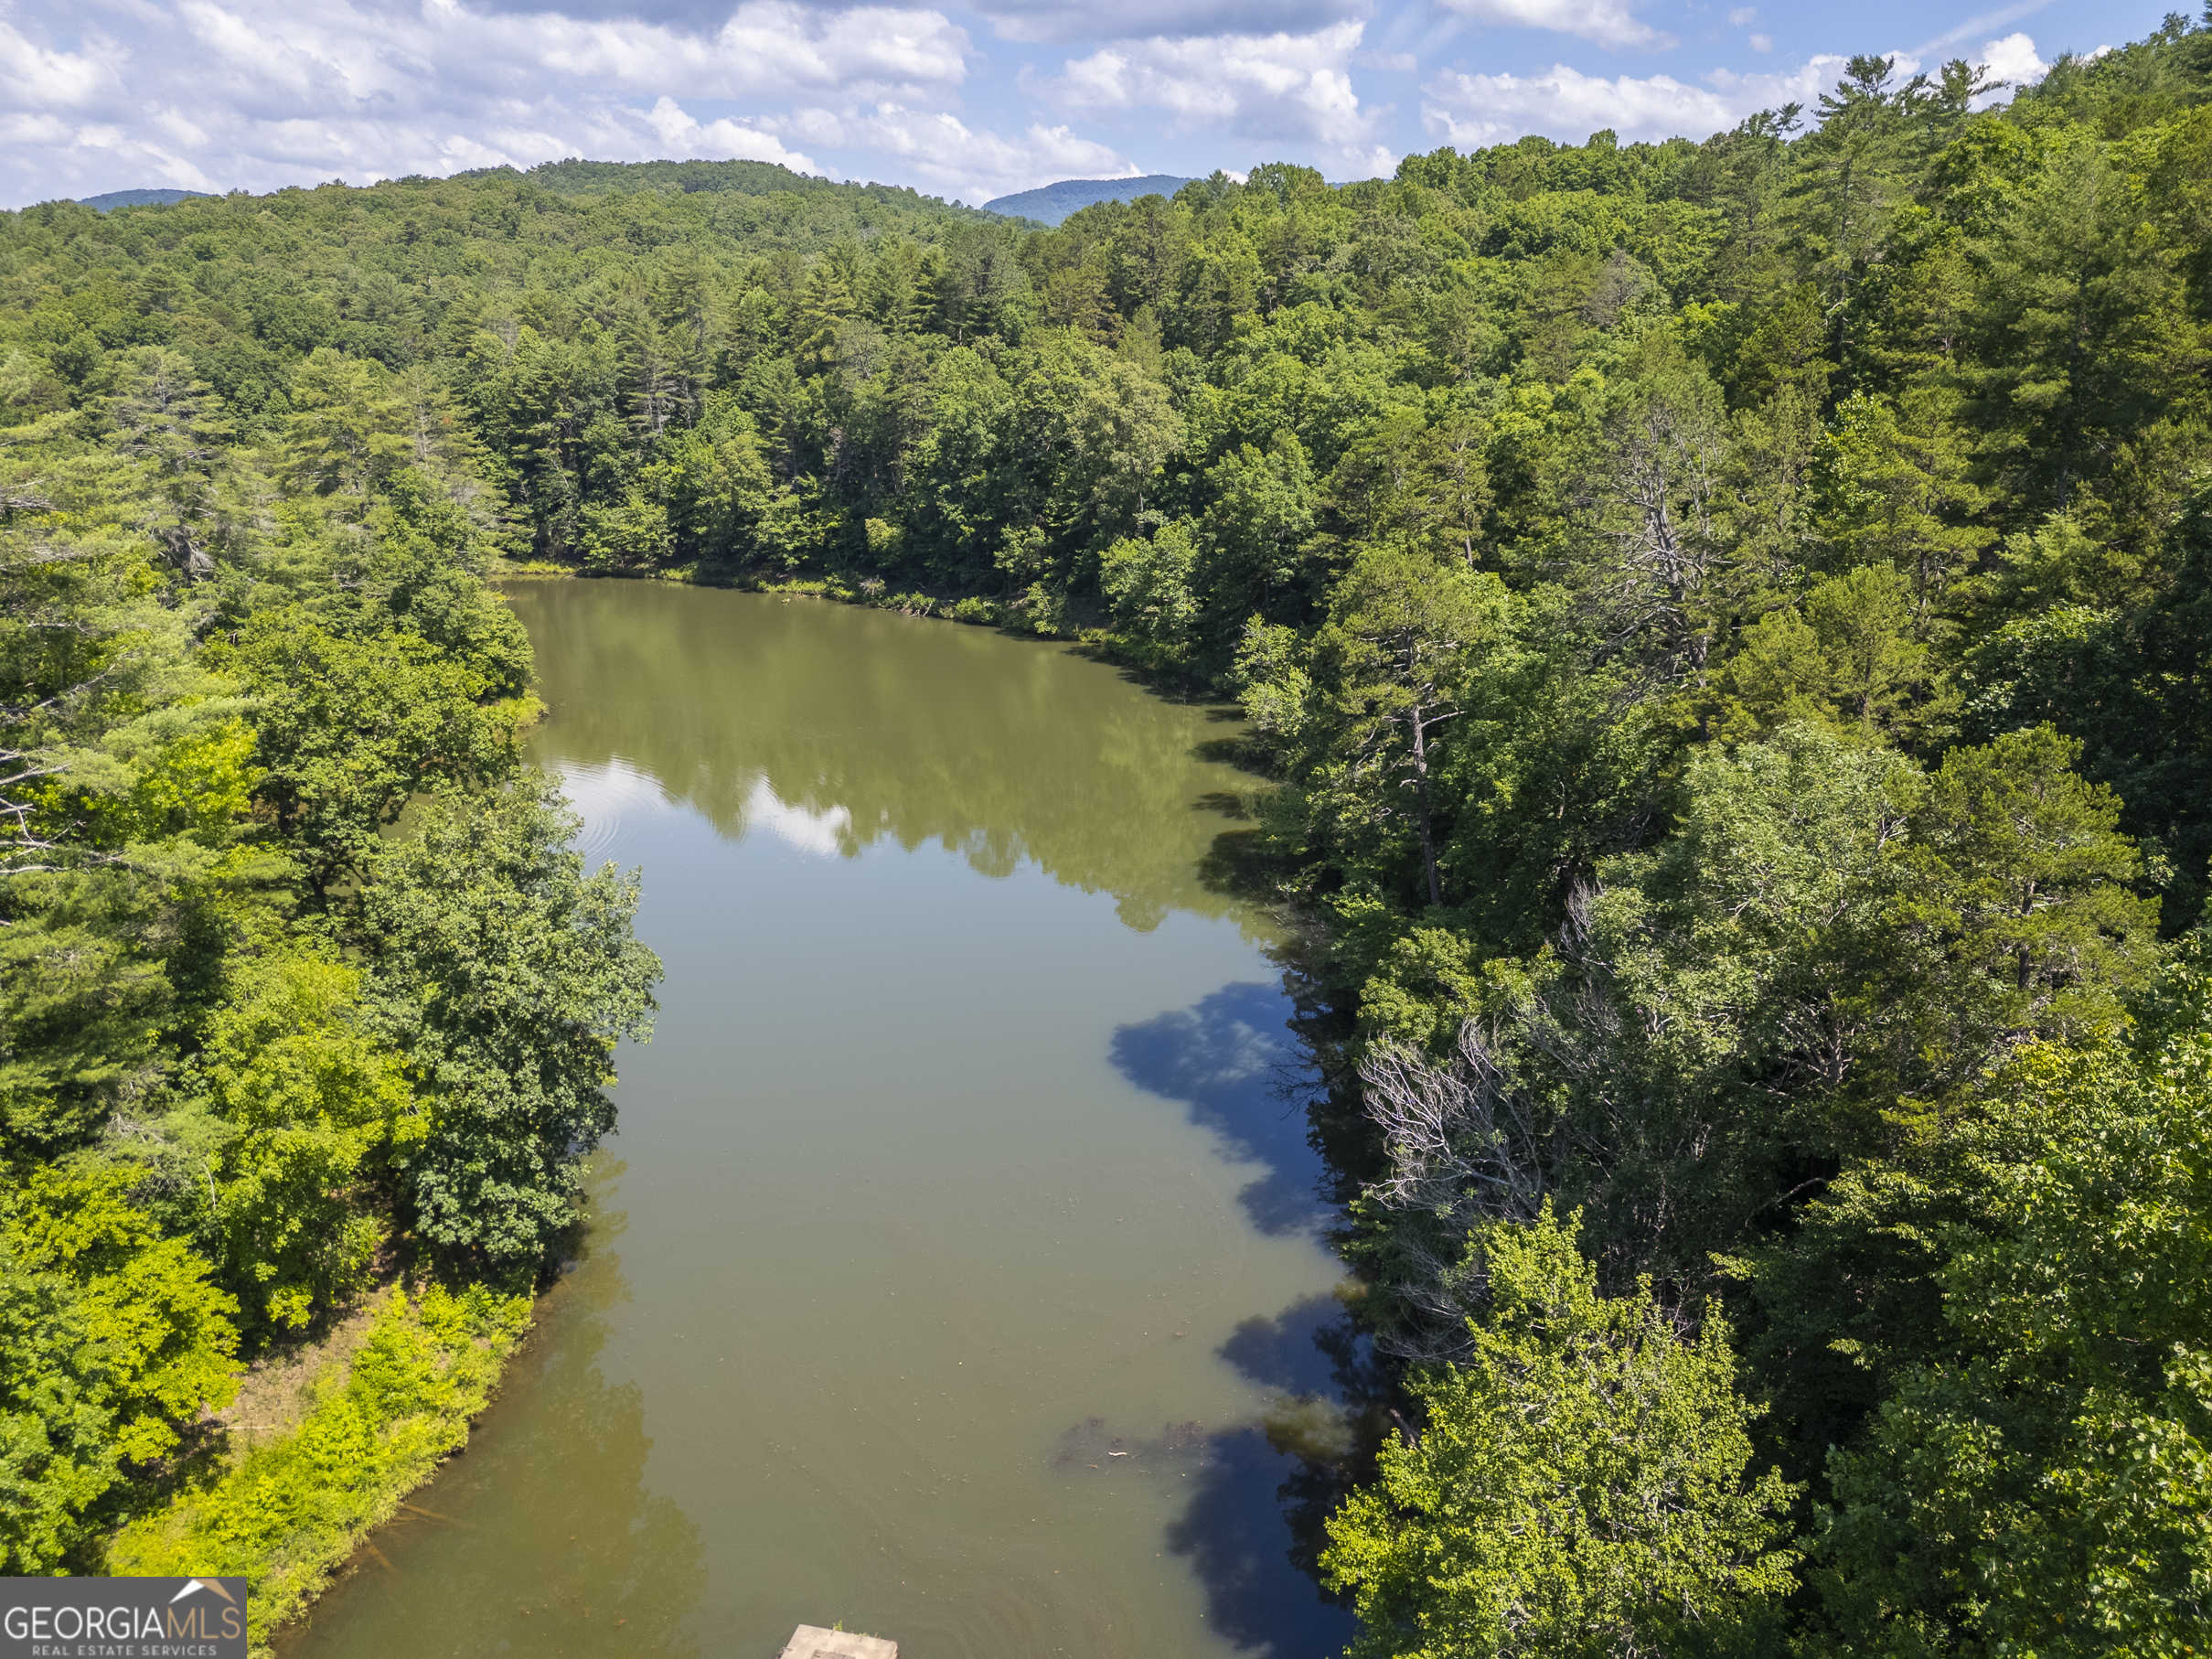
(958, 100)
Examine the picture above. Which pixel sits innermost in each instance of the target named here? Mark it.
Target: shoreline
(286, 1515)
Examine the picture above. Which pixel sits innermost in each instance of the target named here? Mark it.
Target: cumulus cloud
(942, 152)
(1473, 110)
(2012, 59)
(1275, 87)
(35, 77)
(341, 49)
(257, 93)
(1744, 95)
(682, 135)
(1607, 22)
(1068, 20)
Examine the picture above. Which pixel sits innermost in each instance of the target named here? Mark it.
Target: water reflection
(1301, 1351)
(1257, 1596)
(1257, 1516)
(921, 1176)
(1261, 1493)
(803, 719)
(1233, 1060)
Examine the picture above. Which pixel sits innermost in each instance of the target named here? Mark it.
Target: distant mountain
(575, 178)
(1051, 203)
(135, 199)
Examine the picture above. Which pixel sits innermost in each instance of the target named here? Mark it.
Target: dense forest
(1730, 622)
(301, 987)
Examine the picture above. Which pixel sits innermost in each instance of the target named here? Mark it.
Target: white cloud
(1070, 20)
(680, 136)
(1607, 22)
(2013, 58)
(1279, 86)
(974, 166)
(258, 93)
(1761, 43)
(1743, 15)
(338, 50)
(33, 75)
(1470, 110)
(1769, 90)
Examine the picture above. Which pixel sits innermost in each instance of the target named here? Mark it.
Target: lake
(957, 1265)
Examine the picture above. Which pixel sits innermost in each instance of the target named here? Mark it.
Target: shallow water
(960, 1238)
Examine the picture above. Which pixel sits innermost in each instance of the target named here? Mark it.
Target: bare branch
(1461, 1137)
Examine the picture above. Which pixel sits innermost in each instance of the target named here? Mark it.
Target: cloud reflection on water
(1233, 1060)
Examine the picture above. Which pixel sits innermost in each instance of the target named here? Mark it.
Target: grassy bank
(286, 1512)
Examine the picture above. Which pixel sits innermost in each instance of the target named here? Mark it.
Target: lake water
(957, 1260)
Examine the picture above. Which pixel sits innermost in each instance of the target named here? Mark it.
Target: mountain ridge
(109, 201)
(1049, 204)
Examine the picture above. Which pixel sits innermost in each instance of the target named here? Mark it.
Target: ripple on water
(604, 797)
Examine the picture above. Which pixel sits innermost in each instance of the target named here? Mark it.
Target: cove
(961, 1242)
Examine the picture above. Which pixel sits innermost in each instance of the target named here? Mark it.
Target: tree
(347, 433)
(505, 975)
(1848, 652)
(1386, 670)
(1396, 647)
(2039, 1477)
(112, 1341)
(1264, 506)
(1579, 1487)
(1661, 575)
(1893, 487)
(355, 726)
(303, 1102)
(2022, 881)
(1146, 580)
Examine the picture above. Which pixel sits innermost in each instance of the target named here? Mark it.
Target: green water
(968, 1155)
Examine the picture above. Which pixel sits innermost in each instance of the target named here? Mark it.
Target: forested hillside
(300, 986)
(1730, 618)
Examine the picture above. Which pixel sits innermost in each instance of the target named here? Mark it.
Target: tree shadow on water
(1308, 1349)
(1233, 1061)
(1262, 1493)
(1239, 1542)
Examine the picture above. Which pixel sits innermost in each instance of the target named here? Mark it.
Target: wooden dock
(812, 1641)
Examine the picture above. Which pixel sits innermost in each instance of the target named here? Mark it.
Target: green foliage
(1848, 653)
(505, 975)
(1580, 1485)
(354, 728)
(243, 631)
(1147, 581)
(2034, 1477)
(112, 1341)
(303, 1100)
(1383, 675)
(288, 1512)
